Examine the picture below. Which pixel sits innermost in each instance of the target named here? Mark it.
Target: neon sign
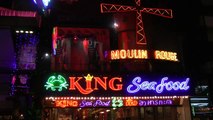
(143, 54)
(117, 102)
(131, 102)
(117, 86)
(103, 82)
(139, 85)
(96, 103)
(113, 102)
(56, 83)
(129, 54)
(165, 55)
(66, 103)
(155, 102)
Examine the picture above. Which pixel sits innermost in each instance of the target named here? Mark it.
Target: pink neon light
(54, 37)
(15, 13)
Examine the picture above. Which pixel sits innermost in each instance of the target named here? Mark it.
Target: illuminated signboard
(126, 85)
(82, 103)
(129, 54)
(113, 102)
(151, 102)
(56, 83)
(155, 102)
(139, 85)
(104, 82)
(165, 55)
(143, 54)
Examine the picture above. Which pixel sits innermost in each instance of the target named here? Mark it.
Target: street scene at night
(106, 60)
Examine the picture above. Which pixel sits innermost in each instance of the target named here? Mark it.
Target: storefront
(115, 97)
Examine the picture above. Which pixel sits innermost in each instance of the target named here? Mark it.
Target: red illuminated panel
(140, 34)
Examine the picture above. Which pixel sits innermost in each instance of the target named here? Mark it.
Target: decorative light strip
(112, 98)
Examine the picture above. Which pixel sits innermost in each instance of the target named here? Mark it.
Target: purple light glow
(138, 84)
(26, 45)
(96, 103)
(155, 102)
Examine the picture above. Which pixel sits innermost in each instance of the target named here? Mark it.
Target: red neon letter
(100, 82)
(88, 85)
(74, 84)
(119, 86)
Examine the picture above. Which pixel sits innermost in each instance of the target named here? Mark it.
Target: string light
(118, 97)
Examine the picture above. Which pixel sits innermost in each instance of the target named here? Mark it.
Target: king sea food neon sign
(88, 84)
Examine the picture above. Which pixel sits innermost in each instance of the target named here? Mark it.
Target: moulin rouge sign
(135, 85)
(143, 54)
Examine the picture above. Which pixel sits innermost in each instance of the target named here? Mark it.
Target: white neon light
(46, 2)
(198, 98)
(199, 104)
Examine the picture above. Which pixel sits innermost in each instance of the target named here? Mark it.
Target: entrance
(123, 113)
